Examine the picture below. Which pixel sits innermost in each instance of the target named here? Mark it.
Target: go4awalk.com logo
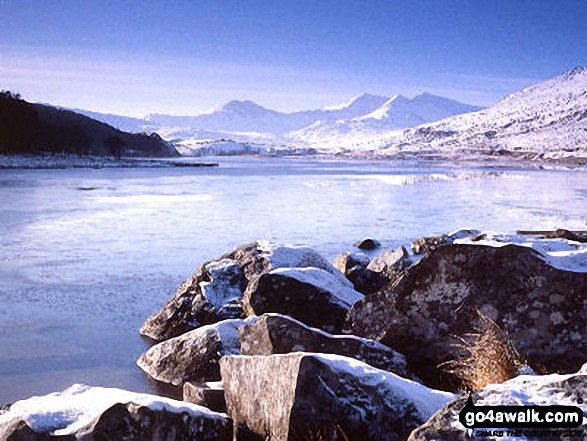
(522, 421)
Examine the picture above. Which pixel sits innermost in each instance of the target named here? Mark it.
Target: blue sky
(183, 57)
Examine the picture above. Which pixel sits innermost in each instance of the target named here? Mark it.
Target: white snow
(323, 280)
(549, 117)
(66, 412)
(293, 256)
(427, 401)
(219, 290)
(560, 253)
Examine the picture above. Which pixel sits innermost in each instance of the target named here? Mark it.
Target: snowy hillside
(396, 113)
(547, 120)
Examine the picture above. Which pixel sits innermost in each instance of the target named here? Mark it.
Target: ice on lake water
(86, 255)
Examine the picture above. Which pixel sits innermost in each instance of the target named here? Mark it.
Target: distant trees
(115, 145)
(19, 122)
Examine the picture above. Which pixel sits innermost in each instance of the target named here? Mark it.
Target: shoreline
(57, 162)
(51, 162)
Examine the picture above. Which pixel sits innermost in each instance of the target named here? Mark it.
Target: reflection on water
(86, 255)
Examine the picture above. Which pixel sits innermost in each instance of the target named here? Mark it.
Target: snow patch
(427, 401)
(64, 413)
(563, 254)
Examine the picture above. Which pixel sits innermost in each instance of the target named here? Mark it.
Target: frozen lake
(86, 255)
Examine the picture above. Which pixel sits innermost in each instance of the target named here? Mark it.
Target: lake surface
(87, 255)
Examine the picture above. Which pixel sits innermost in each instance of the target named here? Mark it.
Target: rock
(193, 356)
(354, 268)
(385, 268)
(96, 413)
(557, 390)
(210, 395)
(367, 244)
(279, 334)
(314, 396)
(346, 262)
(214, 292)
(428, 244)
(21, 431)
(542, 308)
(311, 295)
(569, 235)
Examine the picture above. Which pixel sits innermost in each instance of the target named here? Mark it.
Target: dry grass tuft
(484, 356)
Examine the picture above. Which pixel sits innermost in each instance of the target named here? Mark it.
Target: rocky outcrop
(192, 356)
(542, 308)
(210, 395)
(305, 396)
(311, 295)
(214, 292)
(87, 413)
(428, 244)
(554, 390)
(278, 334)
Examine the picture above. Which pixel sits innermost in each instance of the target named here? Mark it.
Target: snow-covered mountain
(249, 117)
(546, 120)
(124, 123)
(398, 112)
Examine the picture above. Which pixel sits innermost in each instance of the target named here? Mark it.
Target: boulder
(354, 268)
(385, 269)
(210, 395)
(318, 396)
(193, 356)
(214, 292)
(96, 413)
(311, 295)
(367, 244)
(279, 334)
(541, 307)
(553, 390)
(346, 262)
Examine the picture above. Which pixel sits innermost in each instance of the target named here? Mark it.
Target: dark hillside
(27, 128)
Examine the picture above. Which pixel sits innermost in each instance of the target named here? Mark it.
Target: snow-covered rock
(535, 390)
(303, 395)
(214, 291)
(312, 295)
(193, 356)
(541, 306)
(108, 413)
(280, 334)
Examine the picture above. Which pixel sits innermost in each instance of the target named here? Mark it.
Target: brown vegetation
(484, 356)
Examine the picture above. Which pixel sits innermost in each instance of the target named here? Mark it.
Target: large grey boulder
(279, 334)
(214, 292)
(319, 396)
(193, 356)
(95, 413)
(311, 295)
(542, 308)
(554, 390)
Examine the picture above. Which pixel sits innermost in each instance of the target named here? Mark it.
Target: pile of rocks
(279, 344)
